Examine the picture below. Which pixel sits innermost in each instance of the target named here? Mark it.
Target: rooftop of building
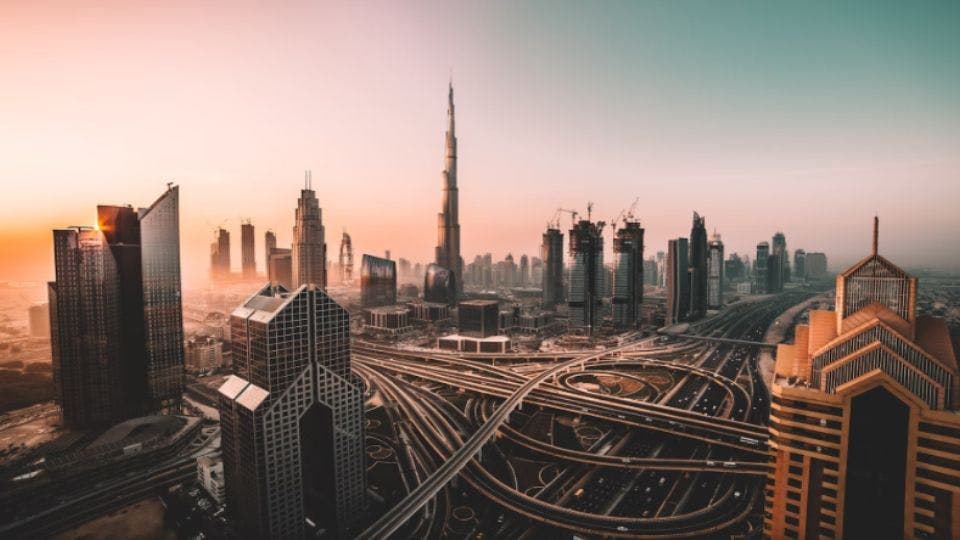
(479, 303)
(388, 310)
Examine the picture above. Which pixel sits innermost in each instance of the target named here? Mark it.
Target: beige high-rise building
(865, 417)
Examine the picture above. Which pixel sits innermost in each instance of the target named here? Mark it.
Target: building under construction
(585, 298)
(628, 275)
(551, 250)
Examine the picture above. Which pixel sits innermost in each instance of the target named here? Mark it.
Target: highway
(711, 419)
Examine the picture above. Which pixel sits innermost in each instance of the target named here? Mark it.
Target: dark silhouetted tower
(551, 250)
(628, 275)
(248, 258)
(677, 281)
(698, 268)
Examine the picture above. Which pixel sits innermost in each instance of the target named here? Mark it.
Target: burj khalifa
(448, 220)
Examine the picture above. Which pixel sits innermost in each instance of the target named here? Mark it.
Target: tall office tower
(585, 296)
(280, 267)
(117, 327)
(628, 275)
(509, 271)
(650, 271)
(698, 268)
(346, 258)
(524, 271)
(661, 269)
(780, 269)
(146, 247)
(761, 274)
(439, 285)
(715, 272)
(448, 220)
(551, 250)
(800, 265)
(865, 417)
(85, 329)
(536, 271)
(220, 255)
(291, 417)
(309, 244)
(677, 281)
(816, 264)
(248, 259)
(488, 282)
(269, 244)
(378, 282)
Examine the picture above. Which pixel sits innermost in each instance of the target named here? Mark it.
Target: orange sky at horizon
(806, 127)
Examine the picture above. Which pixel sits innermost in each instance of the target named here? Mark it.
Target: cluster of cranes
(625, 215)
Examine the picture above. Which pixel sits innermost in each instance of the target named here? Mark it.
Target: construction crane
(626, 214)
(573, 216)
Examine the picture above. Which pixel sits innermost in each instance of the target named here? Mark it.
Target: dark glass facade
(439, 285)
(678, 281)
(479, 318)
(628, 275)
(85, 329)
(698, 268)
(378, 282)
(126, 332)
(552, 252)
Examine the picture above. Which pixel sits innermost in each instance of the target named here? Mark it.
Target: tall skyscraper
(698, 268)
(378, 282)
(761, 273)
(524, 271)
(677, 281)
(85, 329)
(291, 417)
(117, 315)
(661, 269)
(800, 265)
(220, 255)
(715, 272)
(585, 297)
(346, 258)
(280, 267)
(551, 250)
(448, 220)
(248, 259)
(628, 275)
(865, 422)
(269, 244)
(779, 266)
(309, 244)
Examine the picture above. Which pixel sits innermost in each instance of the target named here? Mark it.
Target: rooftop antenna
(589, 210)
(876, 233)
(308, 179)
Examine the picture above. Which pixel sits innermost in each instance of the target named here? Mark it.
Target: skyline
(549, 115)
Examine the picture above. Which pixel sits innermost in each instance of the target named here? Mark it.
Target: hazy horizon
(806, 119)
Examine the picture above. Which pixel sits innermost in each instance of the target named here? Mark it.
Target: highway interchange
(654, 437)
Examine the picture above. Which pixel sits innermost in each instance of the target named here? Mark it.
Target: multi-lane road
(685, 460)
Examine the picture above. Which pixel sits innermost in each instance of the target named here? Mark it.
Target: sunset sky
(807, 117)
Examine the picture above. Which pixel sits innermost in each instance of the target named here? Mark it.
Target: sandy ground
(139, 521)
